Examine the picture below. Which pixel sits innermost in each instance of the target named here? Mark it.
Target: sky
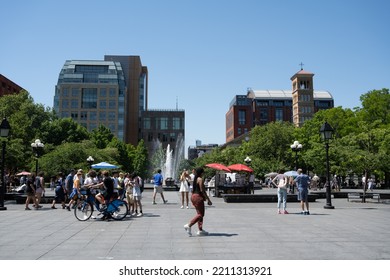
(202, 53)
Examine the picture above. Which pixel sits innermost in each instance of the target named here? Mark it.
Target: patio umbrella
(240, 167)
(104, 165)
(271, 174)
(291, 173)
(218, 166)
(23, 173)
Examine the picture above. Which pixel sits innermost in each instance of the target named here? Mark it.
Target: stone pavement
(238, 231)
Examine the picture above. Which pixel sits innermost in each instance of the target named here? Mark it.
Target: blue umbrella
(291, 173)
(104, 165)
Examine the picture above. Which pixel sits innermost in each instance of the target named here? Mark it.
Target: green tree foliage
(101, 136)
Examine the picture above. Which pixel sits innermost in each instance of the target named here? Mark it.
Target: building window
(102, 116)
(162, 123)
(65, 92)
(264, 114)
(112, 92)
(83, 115)
(74, 104)
(172, 137)
(92, 116)
(177, 124)
(75, 92)
(103, 92)
(111, 116)
(242, 117)
(146, 123)
(279, 114)
(74, 116)
(65, 104)
(89, 98)
(102, 104)
(111, 104)
(150, 136)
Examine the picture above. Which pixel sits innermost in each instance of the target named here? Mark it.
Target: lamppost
(4, 132)
(326, 132)
(251, 189)
(90, 161)
(296, 147)
(37, 146)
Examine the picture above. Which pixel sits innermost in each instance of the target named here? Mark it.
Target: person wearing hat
(303, 182)
(77, 183)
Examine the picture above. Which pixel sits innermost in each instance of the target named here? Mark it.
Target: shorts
(73, 195)
(158, 189)
(303, 194)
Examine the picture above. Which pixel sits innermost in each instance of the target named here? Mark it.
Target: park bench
(360, 196)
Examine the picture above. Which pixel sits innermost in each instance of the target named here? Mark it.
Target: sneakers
(140, 215)
(27, 208)
(285, 212)
(165, 201)
(305, 213)
(202, 233)
(188, 207)
(182, 207)
(154, 202)
(279, 212)
(187, 228)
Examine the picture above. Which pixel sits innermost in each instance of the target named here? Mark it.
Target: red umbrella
(218, 166)
(240, 167)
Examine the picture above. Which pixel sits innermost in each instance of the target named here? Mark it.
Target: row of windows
(279, 103)
(74, 104)
(163, 123)
(90, 116)
(162, 137)
(75, 92)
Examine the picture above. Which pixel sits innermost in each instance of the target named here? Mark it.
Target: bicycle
(116, 209)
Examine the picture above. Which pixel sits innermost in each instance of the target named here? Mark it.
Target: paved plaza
(238, 231)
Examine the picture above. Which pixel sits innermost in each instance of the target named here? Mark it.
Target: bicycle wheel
(83, 210)
(118, 209)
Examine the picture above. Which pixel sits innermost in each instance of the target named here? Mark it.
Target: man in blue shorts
(158, 182)
(303, 182)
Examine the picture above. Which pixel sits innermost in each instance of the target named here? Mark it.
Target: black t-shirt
(109, 185)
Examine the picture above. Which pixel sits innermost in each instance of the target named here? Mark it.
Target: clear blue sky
(203, 52)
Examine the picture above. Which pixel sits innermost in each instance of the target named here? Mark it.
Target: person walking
(39, 189)
(158, 181)
(76, 189)
(303, 182)
(30, 191)
(281, 182)
(198, 197)
(184, 187)
(137, 194)
(60, 191)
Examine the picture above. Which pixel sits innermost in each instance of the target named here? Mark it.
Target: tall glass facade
(92, 93)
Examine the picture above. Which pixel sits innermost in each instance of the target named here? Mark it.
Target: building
(8, 87)
(114, 92)
(163, 126)
(198, 150)
(259, 107)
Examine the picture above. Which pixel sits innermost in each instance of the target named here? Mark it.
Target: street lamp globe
(90, 160)
(247, 160)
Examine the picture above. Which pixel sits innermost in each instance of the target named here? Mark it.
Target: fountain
(168, 160)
